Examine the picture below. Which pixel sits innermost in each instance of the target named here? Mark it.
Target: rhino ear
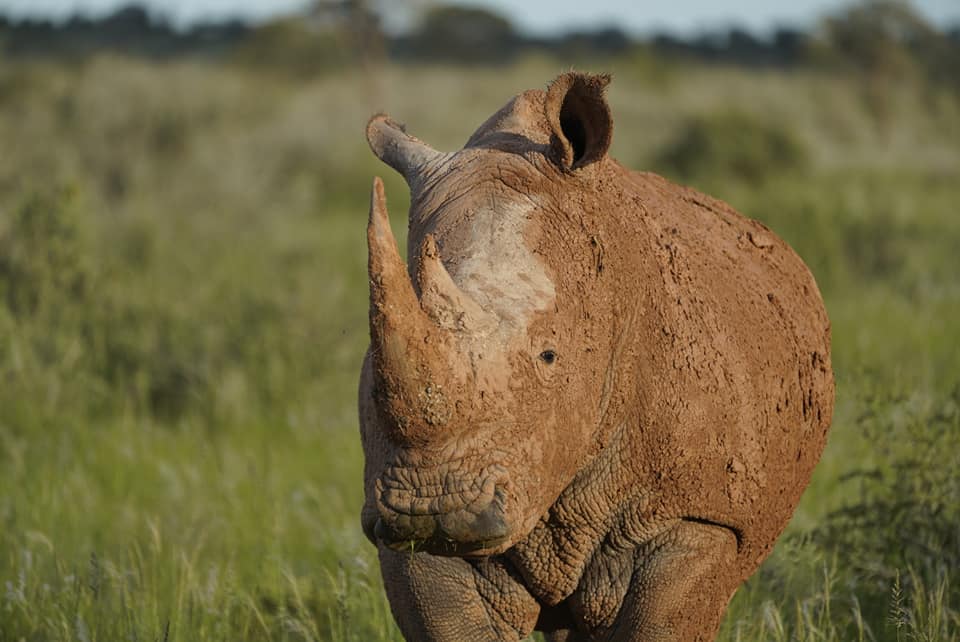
(580, 121)
(401, 151)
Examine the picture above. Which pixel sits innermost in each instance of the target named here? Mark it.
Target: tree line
(875, 36)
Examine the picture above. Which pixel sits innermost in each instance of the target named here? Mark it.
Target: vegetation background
(183, 302)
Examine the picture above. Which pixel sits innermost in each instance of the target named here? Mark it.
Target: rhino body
(592, 398)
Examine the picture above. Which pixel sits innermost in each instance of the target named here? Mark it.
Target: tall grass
(183, 313)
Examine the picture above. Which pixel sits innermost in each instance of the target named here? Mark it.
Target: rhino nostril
(380, 530)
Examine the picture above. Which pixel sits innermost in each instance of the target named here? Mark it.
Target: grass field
(183, 315)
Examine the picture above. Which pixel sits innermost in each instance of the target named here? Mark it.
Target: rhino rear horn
(580, 120)
(394, 146)
(443, 301)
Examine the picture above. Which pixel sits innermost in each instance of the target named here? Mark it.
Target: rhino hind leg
(682, 583)
(450, 599)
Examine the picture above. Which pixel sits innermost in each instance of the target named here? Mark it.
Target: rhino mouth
(443, 510)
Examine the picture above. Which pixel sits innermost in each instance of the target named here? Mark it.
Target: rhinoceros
(592, 397)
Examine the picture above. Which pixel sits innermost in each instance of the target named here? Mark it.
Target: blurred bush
(44, 271)
(47, 306)
(725, 144)
(906, 508)
(461, 35)
(94, 332)
(885, 37)
(294, 46)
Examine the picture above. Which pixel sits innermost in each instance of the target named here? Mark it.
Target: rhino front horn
(394, 146)
(410, 353)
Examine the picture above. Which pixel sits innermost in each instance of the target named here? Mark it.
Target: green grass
(183, 314)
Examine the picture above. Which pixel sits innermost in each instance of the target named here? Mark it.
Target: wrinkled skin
(592, 398)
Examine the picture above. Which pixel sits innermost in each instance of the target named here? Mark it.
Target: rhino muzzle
(443, 510)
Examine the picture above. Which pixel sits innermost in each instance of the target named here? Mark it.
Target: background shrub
(731, 144)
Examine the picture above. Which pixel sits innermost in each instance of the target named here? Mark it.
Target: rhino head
(483, 391)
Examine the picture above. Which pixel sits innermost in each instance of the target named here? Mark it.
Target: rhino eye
(548, 357)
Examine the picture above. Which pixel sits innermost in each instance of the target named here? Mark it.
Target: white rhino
(592, 397)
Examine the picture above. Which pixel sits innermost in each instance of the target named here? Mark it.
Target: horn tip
(378, 207)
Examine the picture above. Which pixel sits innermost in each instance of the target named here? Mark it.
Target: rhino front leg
(682, 583)
(450, 599)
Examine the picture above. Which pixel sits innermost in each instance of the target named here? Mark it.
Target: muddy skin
(592, 398)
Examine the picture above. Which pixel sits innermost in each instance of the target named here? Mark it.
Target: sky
(535, 16)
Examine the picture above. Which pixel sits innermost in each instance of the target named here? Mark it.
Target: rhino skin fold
(592, 397)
